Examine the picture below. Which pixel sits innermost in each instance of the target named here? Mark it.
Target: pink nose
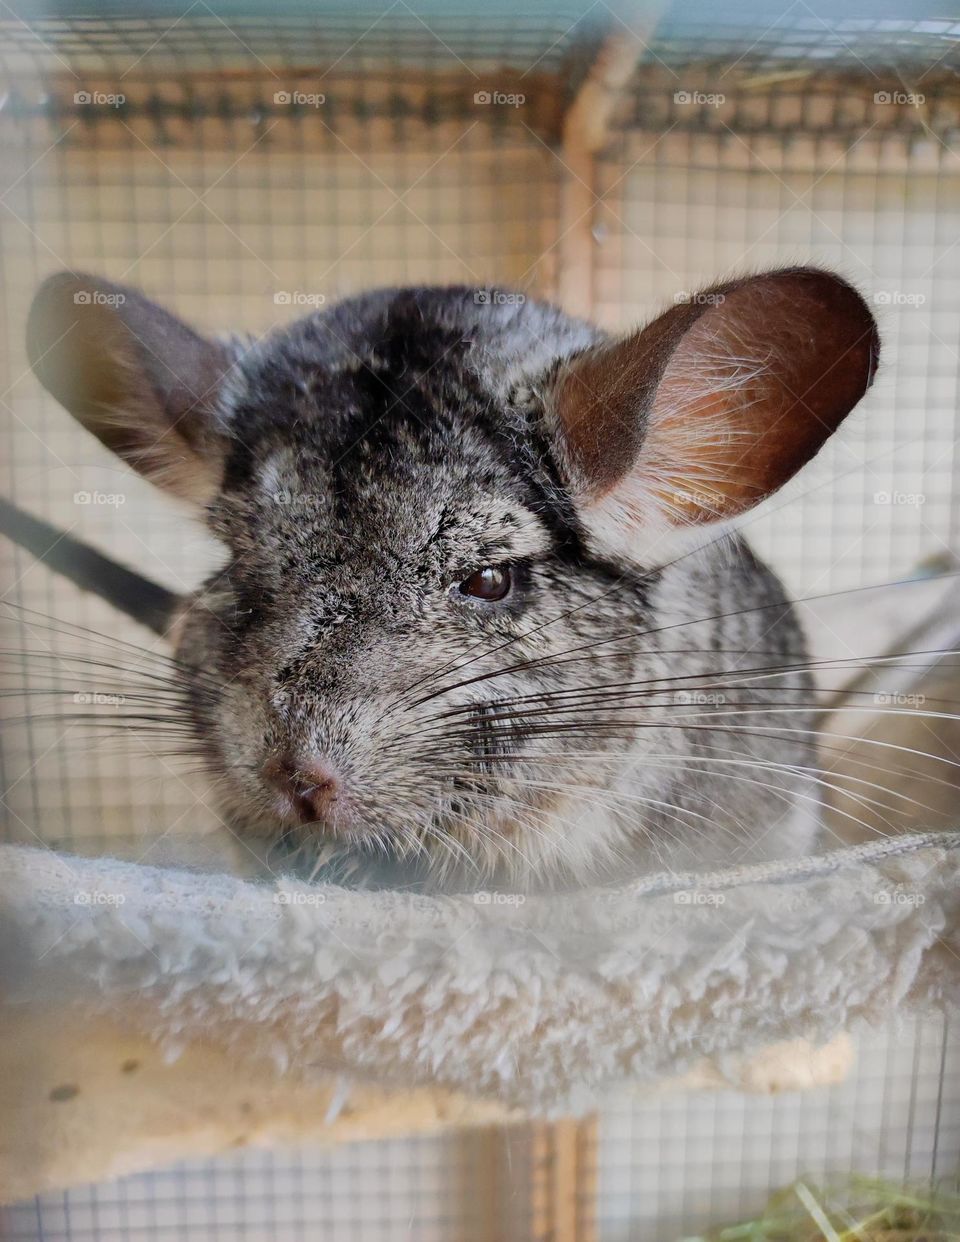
(312, 785)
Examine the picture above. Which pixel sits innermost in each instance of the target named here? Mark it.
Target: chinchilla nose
(312, 785)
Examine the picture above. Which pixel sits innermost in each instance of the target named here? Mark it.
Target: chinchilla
(484, 604)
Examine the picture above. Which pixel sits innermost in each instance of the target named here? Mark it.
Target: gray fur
(378, 453)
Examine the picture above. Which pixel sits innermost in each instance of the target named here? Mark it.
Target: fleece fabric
(483, 1005)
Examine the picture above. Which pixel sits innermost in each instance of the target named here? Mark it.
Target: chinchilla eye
(490, 583)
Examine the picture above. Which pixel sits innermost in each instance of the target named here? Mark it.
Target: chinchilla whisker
(789, 794)
(685, 716)
(499, 799)
(780, 605)
(631, 718)
(500, 847)
(663, 808)
(614, 798)
(34, 617)
(526, 814)
(613, 696)
(34, 620)
(751, 673)
(600, 756)
(812, 774)
(93, 638)
(106, 718)
(160, 697)
(861, 763)
(777, 709)
(91, 676)
(456, 849)
(651, 687)
(773, 732)
(554, 660)
(56, 659)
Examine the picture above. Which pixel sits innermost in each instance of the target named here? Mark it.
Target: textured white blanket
(539, 1002)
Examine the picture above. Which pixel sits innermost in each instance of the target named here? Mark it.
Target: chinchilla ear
(141, 380)
(711, 407)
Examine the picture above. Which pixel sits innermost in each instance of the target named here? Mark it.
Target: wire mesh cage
(247, 166)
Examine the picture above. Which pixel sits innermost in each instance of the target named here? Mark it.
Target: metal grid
(111, 37)
(867, 37)
(364, 37)
(210, 193)
(667, 1167)
(217, 224)
(690, 189)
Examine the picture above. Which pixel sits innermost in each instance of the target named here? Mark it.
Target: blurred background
(246, 164)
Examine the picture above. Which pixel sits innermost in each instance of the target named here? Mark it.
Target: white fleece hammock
(539, 1005)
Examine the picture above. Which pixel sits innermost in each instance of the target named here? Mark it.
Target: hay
(857, 1209)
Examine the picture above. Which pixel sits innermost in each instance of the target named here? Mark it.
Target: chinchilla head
(475, 604)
